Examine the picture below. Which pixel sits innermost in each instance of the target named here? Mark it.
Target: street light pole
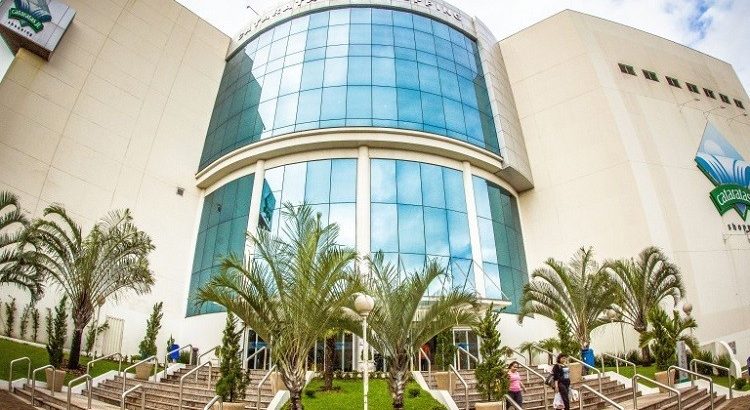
(364, 304)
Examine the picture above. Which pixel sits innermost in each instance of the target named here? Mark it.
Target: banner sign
(727, 170)
(36, 25)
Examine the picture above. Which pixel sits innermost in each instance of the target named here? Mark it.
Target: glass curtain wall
(359, 67)
(503, 257)
(418, 211)
(329, 186)
(221, 232)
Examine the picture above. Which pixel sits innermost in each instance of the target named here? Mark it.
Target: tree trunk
(75, 349)
(397, 379)
(330, 347)
(295, 401)
(294, 380)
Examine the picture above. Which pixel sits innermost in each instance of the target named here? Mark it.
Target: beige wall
(117, 119)
(613, 158)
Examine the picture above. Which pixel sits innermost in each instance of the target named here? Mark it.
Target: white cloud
(716, 27)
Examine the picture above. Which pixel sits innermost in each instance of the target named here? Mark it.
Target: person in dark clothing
(561, 377)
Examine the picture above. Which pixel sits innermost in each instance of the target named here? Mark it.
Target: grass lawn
(350, 396)
(649, 372)
(10, 350)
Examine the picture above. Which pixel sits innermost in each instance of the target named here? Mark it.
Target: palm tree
(12, 223)
(403, 319)
(642, 284)
(581, 291)
(664, 334)
(291, 293)
(549, 344)
(109, 261)
(528, 348)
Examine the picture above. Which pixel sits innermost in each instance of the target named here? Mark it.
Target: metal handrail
(33, 381)
(637, 377)
(429, 365)
(693, 366)
(10, 375)
(551, 354)
(263, 349)
(512, 402)
(148, 359)
(598, 372)
(182, 379)
(198, 360)
(179, 349)
(529, 370)
(692, 380)
(468, 354)
(262, 381)
(617, 362)
(526, 359)
(119, 366)
(601, 396)
(89, 385)
(466, 386)
(214, 400)
(143, 396)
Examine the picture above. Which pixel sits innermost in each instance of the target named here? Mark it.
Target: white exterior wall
(613, 159)
(117, 119)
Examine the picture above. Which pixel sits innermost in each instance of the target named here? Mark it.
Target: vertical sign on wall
(36, 25)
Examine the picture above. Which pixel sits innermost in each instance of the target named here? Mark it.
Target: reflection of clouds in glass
(711, 147)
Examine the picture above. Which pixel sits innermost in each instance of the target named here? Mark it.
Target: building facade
(406, 123)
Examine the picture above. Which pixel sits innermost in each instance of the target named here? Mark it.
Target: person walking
(587, 356)
(561, 377)
(516, 387)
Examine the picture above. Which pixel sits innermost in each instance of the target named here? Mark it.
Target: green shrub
(310, 393)
(706, 356)
(739, 384)
(723, 360)
(414, 392)
(147, 347)
(56, 333)
(233, 381)
(10, 316)
(184, 358)
(24, 323)
(34, 324)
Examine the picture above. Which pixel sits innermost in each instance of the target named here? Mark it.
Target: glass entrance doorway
(467, 340)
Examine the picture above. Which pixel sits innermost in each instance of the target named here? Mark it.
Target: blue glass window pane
(383, 180)
(454, 115)
(405, 54)
(481, 198)
(432, 107)
(443, 48)
(410, 264)
(384, 71)
(322, 210)
(382, 35)
(360, 15)
(294, 183)
(335, 72)
(454, 190)
(382, 16)
(384, 102)
(382, 51)
(383, 228)
(458, 234)
(404, 37)
(309, 106)
(299, 24)
(318, 187)
(359, 102)
(441, 30)
(409, 183)
(334, 103)
(429, 80)
(270, 85)
(338, 35)
(343, 180)
(266, 113)
(339, 16)
(316, 38)
(359, 71)
(360, 34)
(487, 240)
(344, 215)
(315, 54)
(411, 229)
(422, 23)
(424, 42)
(432, 186)
(290, 79)
(436, 231)
(468, 95)
(407, 75)
(409, 106)
(286, 110)
(319, 19)
(312, 75)
(278, 48)
(492, 285)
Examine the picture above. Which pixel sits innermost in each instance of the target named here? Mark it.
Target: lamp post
(364, 304)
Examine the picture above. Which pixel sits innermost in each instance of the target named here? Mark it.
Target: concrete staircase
(533, 399)
(165, 395)
(693, 398)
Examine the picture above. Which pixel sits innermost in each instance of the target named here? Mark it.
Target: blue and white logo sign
(727, 170)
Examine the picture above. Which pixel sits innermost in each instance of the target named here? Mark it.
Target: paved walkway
(740, 403)
(10, 402)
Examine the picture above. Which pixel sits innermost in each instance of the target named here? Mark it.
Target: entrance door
(467, 340)
(254, 344)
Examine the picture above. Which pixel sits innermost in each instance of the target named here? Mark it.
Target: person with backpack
(561, 380)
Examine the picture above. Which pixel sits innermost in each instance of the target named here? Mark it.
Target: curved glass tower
(381, 119)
